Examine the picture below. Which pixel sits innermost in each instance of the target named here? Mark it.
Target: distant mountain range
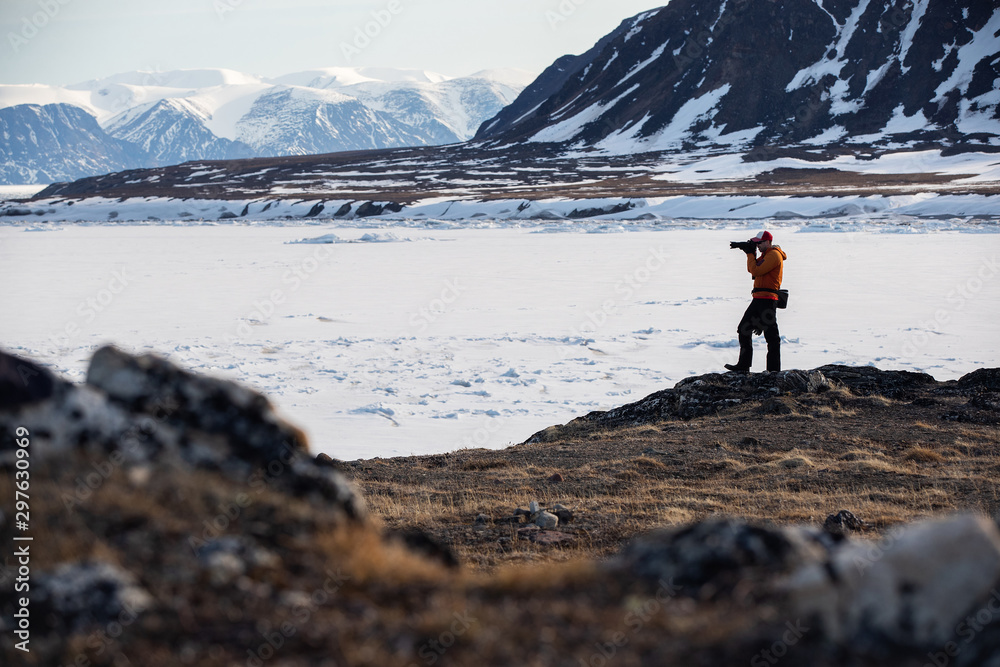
(699, 98)
(149, 119)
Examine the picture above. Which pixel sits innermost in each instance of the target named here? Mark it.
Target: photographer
(761, 315)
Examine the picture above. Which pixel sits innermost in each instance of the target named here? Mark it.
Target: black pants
(761, 315)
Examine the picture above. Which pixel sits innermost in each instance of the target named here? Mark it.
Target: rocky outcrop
(713, 558)
(777, 393)
(144, 411)
(920, 586)
(868, 380)
(77, 596)
(927, 586)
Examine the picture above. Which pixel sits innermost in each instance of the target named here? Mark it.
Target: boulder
(144, 410)
(23, 382)
(152, 385)
(712, 558)
(982, 378)
(914, 588)
(842, 524)
(564, 514)
(76, 596)
(868, 380)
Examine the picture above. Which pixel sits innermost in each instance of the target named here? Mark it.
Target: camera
(749, 247)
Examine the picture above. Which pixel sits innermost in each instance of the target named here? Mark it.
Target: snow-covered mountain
(58, 142)
(306, 121)
(744, 74)
(172, 131)
(171, 117)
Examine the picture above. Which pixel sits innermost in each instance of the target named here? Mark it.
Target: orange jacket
(766, 271)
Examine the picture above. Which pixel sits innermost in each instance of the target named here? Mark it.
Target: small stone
(842, 523)
(556, 478)
(223, 568)
(564, 514)
(139, 475)
(534, 507)
(546, 520)
(482, 519)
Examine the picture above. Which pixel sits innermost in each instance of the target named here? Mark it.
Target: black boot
(746, 356)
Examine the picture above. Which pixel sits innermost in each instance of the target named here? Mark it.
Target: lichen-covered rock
(76, 596)
(23, 382)
(149, 384)
(914, 588)
(843, 523)
(144, 410)
(713, 557)
(985, 378)
(868, 380)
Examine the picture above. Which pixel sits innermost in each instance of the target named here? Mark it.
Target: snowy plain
(394, 338)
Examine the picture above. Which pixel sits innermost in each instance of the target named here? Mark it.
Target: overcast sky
(69, 41)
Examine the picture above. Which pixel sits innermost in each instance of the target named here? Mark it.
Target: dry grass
(885, 460)
(923, 455)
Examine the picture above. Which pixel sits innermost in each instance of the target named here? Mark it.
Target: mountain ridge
(184, 115)
(739, 74)
(722, 98)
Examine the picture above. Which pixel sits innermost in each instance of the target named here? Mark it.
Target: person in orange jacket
(761, 315)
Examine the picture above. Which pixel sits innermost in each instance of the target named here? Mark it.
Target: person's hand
(758, 332)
